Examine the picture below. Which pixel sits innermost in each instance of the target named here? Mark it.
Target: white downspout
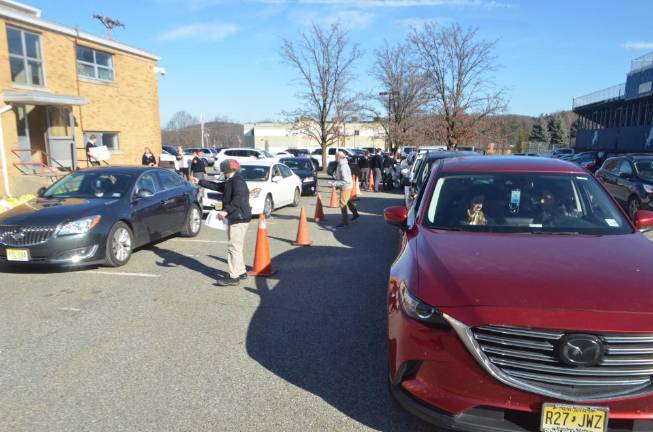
(3, 156)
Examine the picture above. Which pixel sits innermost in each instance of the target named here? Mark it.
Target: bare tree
(180, 120)
(458, 68)
(403, 95)
(323, 59)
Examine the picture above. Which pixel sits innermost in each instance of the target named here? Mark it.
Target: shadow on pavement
(323, 326)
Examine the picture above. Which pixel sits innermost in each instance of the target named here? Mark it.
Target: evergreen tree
(539, 132)
(521, 139)
(556, 131)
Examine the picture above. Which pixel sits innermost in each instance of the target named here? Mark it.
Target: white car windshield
(517, 202)
(254, 173)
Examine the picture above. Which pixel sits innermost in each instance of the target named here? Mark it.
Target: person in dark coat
(197, 166)
(376, 165)
(148, 158)
(91, 143)
(364, 165)
(237, 211)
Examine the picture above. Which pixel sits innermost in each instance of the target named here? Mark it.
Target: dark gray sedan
(99, 216)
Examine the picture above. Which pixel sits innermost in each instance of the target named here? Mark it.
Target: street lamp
(389, 94)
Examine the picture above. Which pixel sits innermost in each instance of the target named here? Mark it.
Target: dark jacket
(235, 198)
(363, 162)
(147, 160)
(376, 161)
(197, 166)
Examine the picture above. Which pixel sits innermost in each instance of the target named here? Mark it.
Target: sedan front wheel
(119, 245)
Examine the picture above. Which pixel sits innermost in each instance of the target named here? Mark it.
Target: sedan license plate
(18, 255)
(571, 418)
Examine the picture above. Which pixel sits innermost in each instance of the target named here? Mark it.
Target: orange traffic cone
(262, 263)
(303, 233)
(319, 211)
(356, 190)
(334, 198)
(370, 182)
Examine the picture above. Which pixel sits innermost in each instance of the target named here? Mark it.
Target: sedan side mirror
(397, 215)
(41, 191)
(276, 179)
(644, 220)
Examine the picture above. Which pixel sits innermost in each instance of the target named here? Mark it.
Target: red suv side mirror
(644, 219)
(398, 216)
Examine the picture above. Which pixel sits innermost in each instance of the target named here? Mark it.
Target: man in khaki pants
(237, 211)
(345, 184)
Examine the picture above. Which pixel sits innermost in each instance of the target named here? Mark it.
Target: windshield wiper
(556, 232)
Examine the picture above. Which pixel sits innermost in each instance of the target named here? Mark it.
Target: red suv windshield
(518, 202)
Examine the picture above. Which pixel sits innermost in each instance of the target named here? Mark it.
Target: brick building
(58, 86)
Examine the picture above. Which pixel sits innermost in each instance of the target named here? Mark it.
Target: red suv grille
(609, 366)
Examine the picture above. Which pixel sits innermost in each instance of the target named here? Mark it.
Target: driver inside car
(475, 214)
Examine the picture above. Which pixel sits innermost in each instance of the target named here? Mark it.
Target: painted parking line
(69, 309)
(198, 241)
(110, 273)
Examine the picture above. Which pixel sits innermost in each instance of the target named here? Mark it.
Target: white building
(280, 136)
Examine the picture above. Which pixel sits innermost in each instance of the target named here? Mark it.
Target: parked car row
(519, 298)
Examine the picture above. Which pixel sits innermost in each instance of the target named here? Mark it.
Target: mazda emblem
(581, 350)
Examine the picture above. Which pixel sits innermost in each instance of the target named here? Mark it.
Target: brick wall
(129, 106)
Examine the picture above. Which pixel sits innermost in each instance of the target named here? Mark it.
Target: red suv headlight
(420, 311)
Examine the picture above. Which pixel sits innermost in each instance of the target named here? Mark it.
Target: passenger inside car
(475, 214)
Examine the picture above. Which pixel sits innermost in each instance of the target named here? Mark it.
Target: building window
(109, 139)
(94, 64)
(25, 59)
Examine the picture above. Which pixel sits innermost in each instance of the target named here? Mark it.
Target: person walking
(364, 165)
(345, 184)
(237, 211)
(91, 143)
(376, 165)
(148, 158)
(197, 166)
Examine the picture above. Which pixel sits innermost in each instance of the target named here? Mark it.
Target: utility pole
(389, 94)
(202, 129)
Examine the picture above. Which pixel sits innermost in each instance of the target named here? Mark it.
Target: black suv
(629, 178)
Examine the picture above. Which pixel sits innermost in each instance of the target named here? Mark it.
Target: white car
(316, 155)
(272, 185)
(241, 155)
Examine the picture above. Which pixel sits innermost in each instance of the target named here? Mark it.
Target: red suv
(521, 300)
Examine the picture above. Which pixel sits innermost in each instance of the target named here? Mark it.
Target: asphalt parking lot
(157, 346)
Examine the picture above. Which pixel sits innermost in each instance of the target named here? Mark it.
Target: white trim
(7, 12)
(21, 7)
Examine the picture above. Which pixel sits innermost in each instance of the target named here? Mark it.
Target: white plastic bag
(212, 221)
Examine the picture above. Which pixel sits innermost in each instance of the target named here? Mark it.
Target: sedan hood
(51, 211)
(607, 273)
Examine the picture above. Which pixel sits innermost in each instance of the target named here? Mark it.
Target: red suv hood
(607, 273)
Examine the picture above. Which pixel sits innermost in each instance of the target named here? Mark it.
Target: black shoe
(243, 276)
(354, 217)
(228, 281)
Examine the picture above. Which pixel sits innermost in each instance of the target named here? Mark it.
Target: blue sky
(222, 56)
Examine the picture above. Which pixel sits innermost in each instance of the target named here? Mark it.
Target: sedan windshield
(515, 202)
(645, 169)
(92, 184)
(295, 164)
(254, 173)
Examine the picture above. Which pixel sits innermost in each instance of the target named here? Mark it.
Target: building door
(24, 146)
(61, 141)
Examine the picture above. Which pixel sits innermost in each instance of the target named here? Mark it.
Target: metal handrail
(615, 92)
(642, 62)
(47, 157)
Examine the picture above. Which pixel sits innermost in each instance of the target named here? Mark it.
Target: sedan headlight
(648, 188)
(308, 179)
(80, 226)
(420, 311)
(254, 193)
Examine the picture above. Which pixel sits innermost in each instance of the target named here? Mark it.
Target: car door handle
(166, 202)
